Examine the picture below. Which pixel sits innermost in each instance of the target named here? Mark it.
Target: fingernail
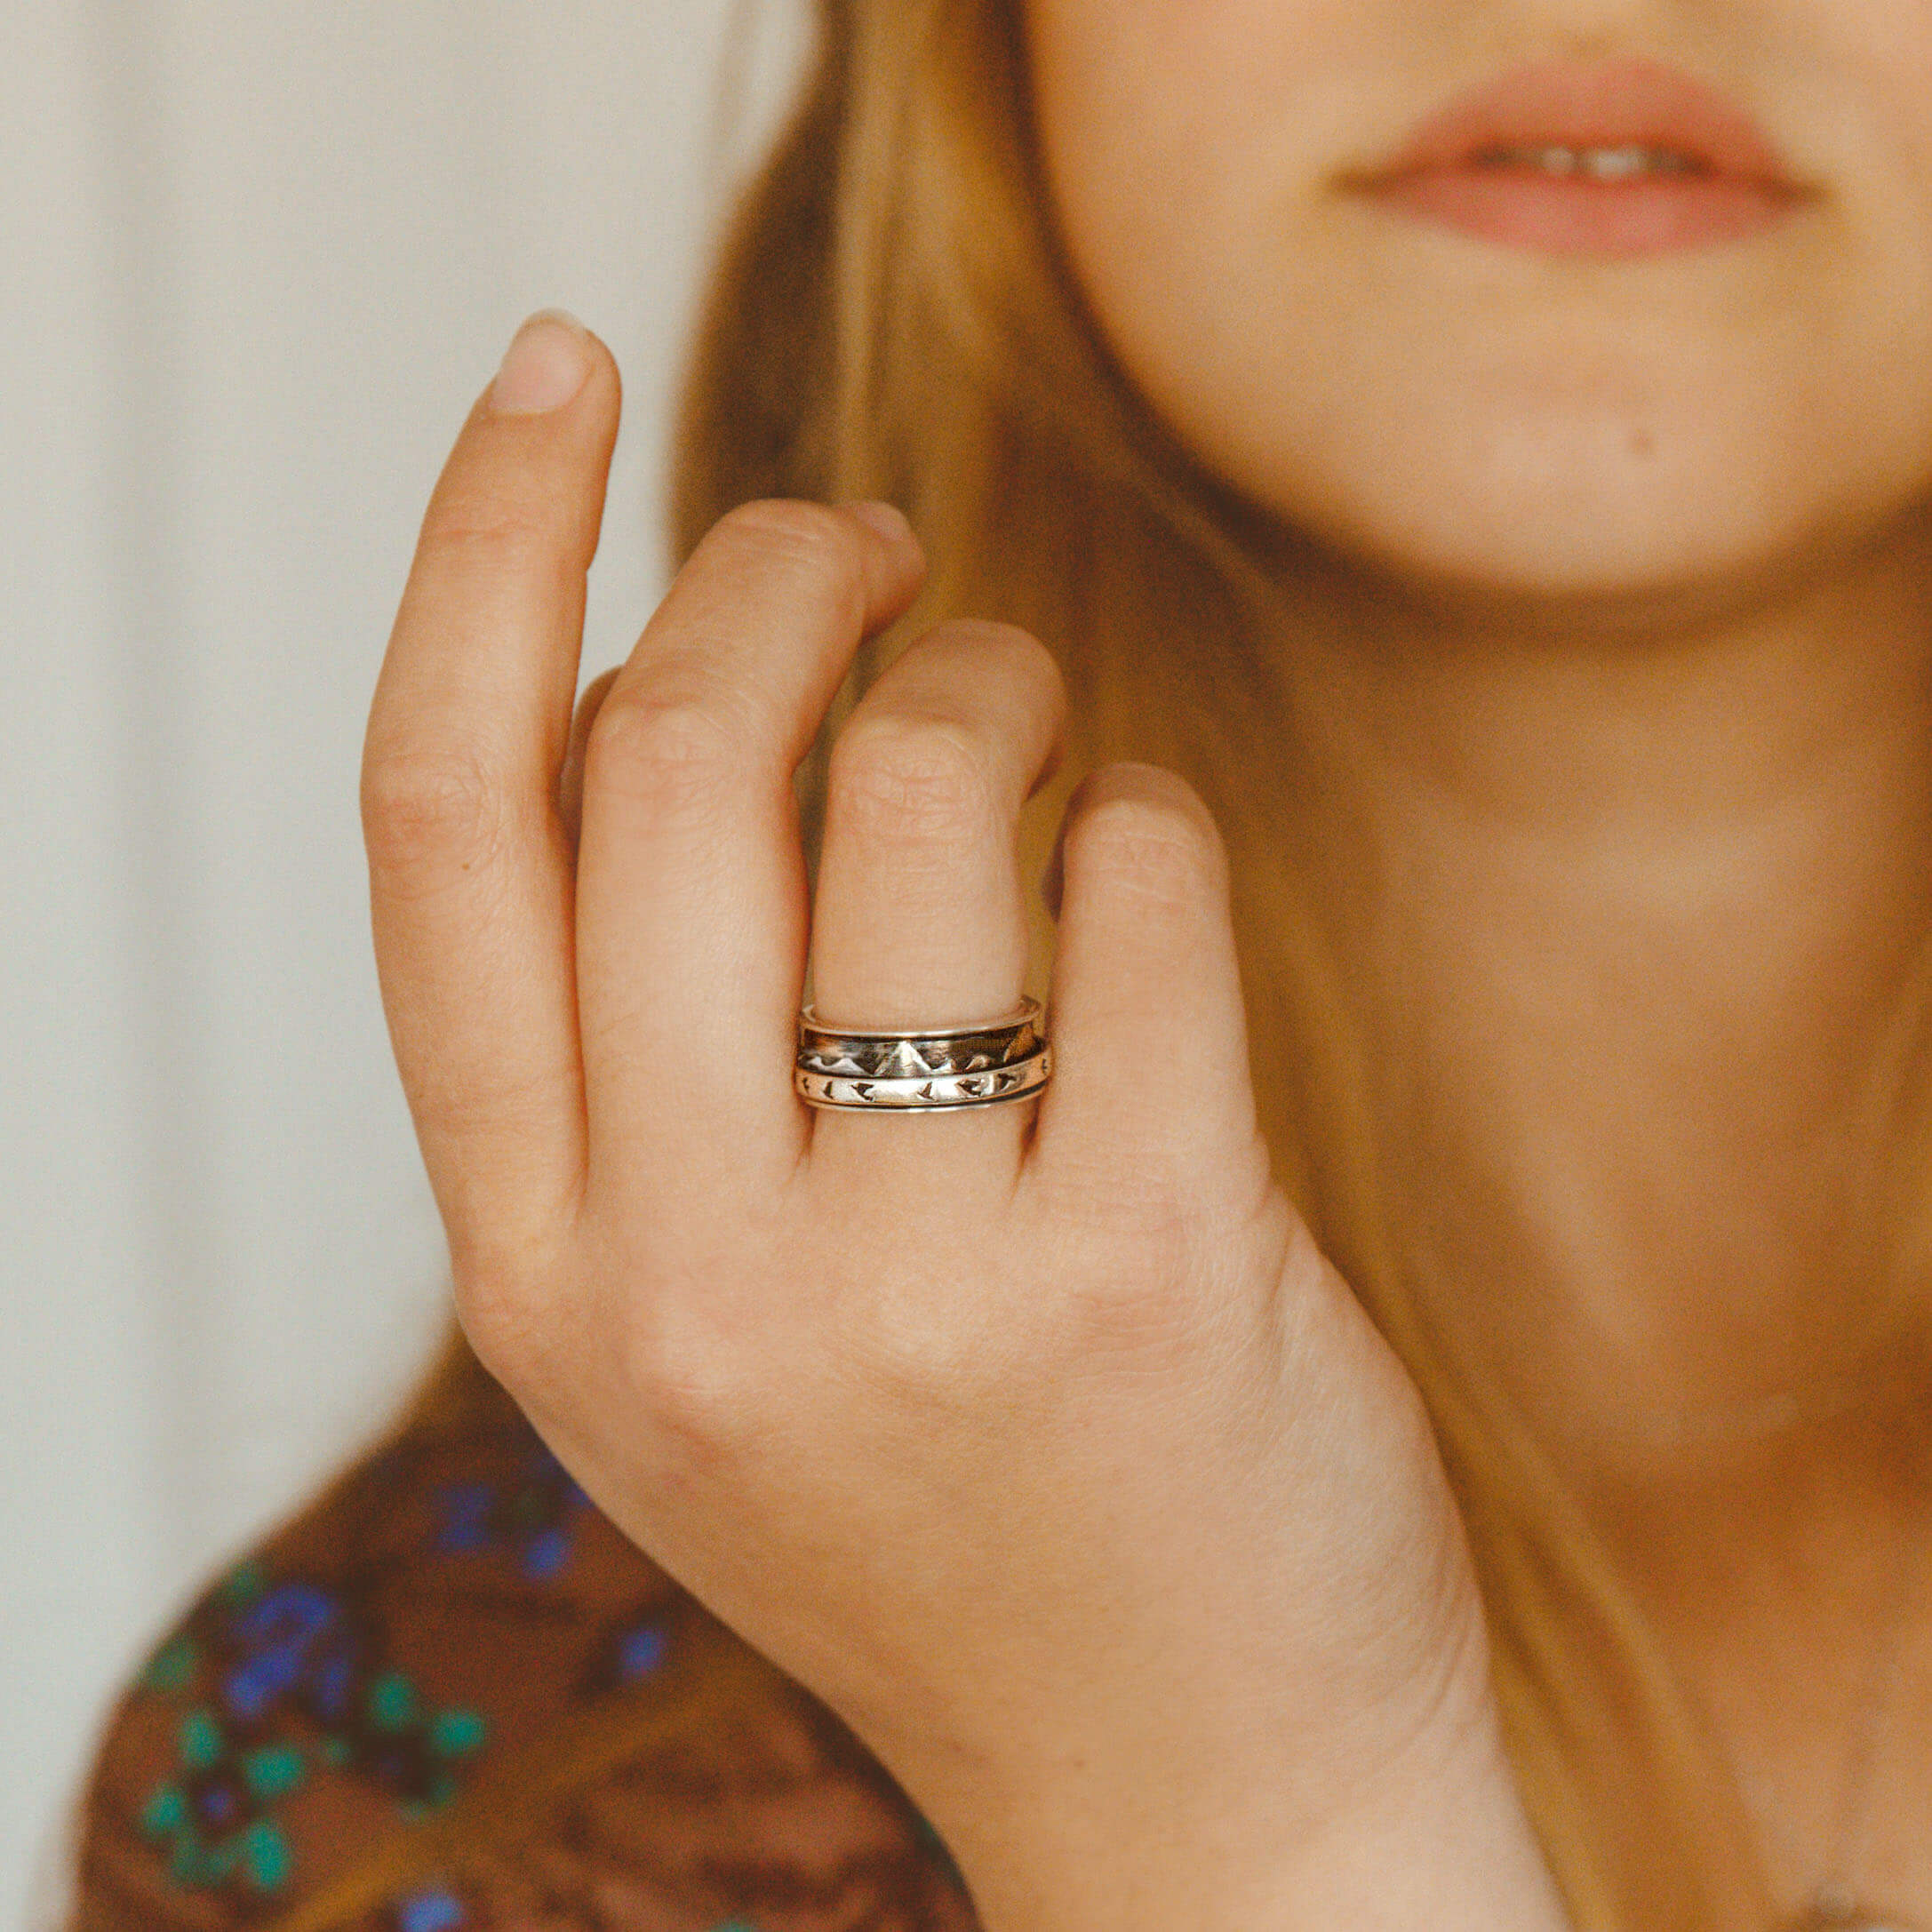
(544, 367)
(890, 522)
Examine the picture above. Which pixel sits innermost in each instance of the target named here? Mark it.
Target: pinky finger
(1149, 1031)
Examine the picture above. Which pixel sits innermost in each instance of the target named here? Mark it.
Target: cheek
(1444, 407)
(1148, 107)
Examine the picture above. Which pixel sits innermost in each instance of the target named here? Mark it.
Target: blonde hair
(890, 317)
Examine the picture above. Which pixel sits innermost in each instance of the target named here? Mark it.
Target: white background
(257, 257)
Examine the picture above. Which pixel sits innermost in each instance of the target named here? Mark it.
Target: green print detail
(260, 1851)
(265, 1850)
(392, 1702)
(448, 1735)
(172, 1668)
(455, 1734)
(200, 1741)
(274, 1771)
(223, 1788)
(277, 1680)
(243, 1585)
(191, 1863)
(166, 1811)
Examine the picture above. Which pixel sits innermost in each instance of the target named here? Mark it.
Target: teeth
(1596, 164)
(1616, 163)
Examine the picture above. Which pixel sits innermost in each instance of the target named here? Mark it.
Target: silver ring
(932, 1069)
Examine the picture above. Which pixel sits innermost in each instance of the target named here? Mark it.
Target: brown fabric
(451, 1697)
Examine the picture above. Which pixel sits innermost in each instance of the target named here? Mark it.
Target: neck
(1641, 960)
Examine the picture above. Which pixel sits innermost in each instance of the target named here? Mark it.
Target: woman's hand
(1036, 1439)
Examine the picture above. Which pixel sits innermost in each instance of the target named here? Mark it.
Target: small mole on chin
(1643, 442)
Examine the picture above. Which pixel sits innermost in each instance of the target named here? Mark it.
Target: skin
(1619, 664)
(965, 1499)
(1614, 664)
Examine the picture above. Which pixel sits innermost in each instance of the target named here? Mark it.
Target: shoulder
(451, 1697)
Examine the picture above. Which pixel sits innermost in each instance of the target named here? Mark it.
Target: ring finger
(920, 920)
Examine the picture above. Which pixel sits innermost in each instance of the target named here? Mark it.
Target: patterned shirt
(450, 1697)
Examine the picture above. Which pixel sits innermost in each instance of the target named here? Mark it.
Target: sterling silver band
(938, 1093)
(936, 1068)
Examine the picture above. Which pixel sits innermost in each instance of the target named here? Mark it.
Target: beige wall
(256, 259)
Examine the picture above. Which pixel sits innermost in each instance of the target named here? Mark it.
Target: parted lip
(1624, 103)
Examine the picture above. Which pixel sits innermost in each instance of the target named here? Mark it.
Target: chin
(1583, 544)
(1599, 513)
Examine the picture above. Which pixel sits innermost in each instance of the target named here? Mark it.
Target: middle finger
(690, 900)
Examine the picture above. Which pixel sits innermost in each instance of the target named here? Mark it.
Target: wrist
(1447, 1845)
(1439, 1841)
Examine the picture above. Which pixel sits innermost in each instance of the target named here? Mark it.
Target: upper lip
(1629, 103)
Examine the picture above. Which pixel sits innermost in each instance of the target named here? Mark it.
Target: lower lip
(1554, 214)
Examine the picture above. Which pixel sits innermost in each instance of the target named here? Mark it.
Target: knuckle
(500, 1294)
(591, 700)
(1002, 650)
(791, 524)
(1133, 1290)
(697, 1389)
(675, 1331)
(1125, 1220)
(1147, 850)
(428, 814)
(1134, 1226)
(494, 528)
(908, 779)
(808, 538)
(662, 752)
(920, 1361)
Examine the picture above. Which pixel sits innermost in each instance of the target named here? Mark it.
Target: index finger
(470, 878)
